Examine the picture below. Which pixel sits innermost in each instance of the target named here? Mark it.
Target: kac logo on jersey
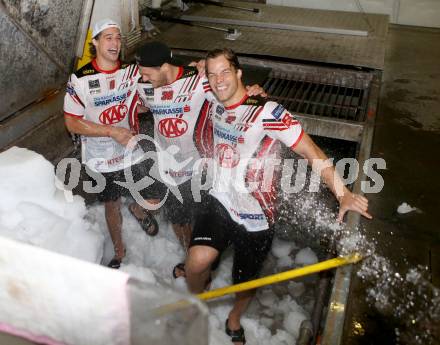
(289, 120)
(172, 127)
(227, 156)
(167, 95)
(113, 114)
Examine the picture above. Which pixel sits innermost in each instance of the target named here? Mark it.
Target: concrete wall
(36, 49)
(405, 12)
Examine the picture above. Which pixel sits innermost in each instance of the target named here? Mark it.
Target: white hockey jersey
(180, 122)
(106, 98)
(246, 138)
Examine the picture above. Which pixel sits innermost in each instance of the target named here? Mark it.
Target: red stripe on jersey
(133, 113)
(95, 65)
(197, 83)
(266, 199)
(179, 74)
(275, 128)
(240, 102)
(77, 100)
(258, 112)
(74, 115)
(203, 132)
(297, 140)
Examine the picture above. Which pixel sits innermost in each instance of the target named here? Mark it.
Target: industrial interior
(362, 77)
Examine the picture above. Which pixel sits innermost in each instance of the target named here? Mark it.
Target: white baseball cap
(103, 24)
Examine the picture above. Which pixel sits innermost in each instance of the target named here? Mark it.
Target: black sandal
(148, 223)
(115, 263)
(181, 266)
(237, 336)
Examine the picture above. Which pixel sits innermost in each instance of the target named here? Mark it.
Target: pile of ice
(274, 317)
(405, 208)
(34, 211)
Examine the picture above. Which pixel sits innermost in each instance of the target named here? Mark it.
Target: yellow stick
(279, 277)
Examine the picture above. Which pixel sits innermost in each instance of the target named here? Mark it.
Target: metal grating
(312, 95)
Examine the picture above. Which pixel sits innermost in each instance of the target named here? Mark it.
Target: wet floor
(407, 137)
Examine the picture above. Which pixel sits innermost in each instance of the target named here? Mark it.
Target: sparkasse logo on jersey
(114, 114)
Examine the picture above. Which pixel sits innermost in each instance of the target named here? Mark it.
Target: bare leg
(198, 266)
(114, 223)
(242, 300)
(183, 233)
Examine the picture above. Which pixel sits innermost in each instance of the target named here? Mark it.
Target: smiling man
(247, 131)
(100, 106)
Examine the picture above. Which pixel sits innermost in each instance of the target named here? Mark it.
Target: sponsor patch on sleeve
(70, 90)
(276, 113)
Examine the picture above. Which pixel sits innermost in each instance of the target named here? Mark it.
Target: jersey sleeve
(74, 99)
(209, 95)
(279, 124)
(146, 93)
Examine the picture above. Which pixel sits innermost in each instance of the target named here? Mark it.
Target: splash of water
(408, 298)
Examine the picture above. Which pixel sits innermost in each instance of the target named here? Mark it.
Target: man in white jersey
(101, 106)
(246, 133)
(178, 98)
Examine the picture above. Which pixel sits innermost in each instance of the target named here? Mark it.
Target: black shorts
(113, 191)
(175, 211)
(215, 228)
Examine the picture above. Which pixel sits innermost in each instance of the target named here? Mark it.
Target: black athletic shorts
(215, 228)
(175, 211)
(114, 191)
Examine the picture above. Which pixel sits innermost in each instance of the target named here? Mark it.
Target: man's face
(223, 78)
(154, 75)
(108, 44)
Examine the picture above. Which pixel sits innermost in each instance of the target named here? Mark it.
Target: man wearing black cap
(176, 96)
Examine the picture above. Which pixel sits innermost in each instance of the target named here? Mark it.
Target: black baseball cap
(154, 54)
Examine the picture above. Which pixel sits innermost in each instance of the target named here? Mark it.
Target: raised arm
(348, 201)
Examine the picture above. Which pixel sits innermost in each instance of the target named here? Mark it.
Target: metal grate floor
(310, 95)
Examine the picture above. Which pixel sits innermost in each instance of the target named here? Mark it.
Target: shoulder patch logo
(276, 113)
(219, 110)
(167, 95)
(94, 84)
(149, 91)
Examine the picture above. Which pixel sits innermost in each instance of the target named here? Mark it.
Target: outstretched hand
(256, 90)
(353, 202)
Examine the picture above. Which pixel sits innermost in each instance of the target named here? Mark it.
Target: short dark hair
(228, 53)
(92, 48)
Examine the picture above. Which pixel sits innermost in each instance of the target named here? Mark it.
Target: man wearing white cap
(100, 105)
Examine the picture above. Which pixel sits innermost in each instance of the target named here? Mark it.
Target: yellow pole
(279, 277)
